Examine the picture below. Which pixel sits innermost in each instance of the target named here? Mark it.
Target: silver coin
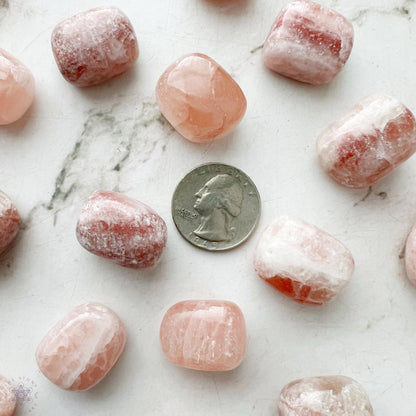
(216, 207)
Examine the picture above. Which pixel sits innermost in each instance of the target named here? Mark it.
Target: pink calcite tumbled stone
(410, 256)
(302, 261)
(81, 349)
(308, 42)
(368, 142)
(208, 335)
(94, 46)
(17, 88)
(200, 99)
(324, 396)
(119, 228)
(7, 398)
(9, 221)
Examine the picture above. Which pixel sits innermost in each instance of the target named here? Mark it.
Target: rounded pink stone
(324, 396)
(119, 228)
(200, 99)
(302, 261)
(81, 348)
(94, 46)
(368, 142)
(9, 221)
(7, 398)
(308, 42)
(410, 256)
(208, 335)
(17, 88)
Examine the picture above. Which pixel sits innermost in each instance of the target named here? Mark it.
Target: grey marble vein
(382, 195)
(110, 140)
(402, 10)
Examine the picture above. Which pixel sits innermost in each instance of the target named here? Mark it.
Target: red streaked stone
(9, 221)
(200, 99)
(302, 261)
(119, 228)
(368, 142)
(94, 46)
(308, 42)
(208, 335)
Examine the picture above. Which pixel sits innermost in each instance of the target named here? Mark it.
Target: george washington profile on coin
(218, 202)
(215, 207)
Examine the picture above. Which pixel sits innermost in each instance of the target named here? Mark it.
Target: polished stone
(94, 46)
(200, 99)
(9, 221)
(208, 335)
(324, 396)
(119, 228)
(410, 256)
(7, 398)
(17, 88)
(308, 42)
(302, 261)
(79, 351)
(368, 142)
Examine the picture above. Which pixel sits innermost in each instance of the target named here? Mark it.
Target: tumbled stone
(208, 335)
(9, 221)
(324, 396)
(200, 99)
(7, 398)
(119, 228)
(368, 142)
(79, 351)
(410, 256)
(302, 261)
(308, 42)
(94, 46)
(17, 88)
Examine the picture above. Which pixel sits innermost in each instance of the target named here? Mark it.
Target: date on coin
(216, 207)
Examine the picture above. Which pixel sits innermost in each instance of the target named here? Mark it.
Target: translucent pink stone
(119, 228)
(94, 46)
(208, 335)
(7, 398)
(9, 221)
(368, 142)
(324, 396)
(410, 256)
(308, 42)
(200, 99)
(302, 261)
(81, 348)
(17, 88)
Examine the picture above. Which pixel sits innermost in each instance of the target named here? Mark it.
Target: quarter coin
(216, 207)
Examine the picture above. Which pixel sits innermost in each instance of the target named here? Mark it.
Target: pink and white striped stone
(17, 88)
(302, 261)
(308, 42)
(368, 142)
(119, 228)
(9, 221)
(94, 46)
(324, 396)
(81, 348)
(208, 335)
(7, 398)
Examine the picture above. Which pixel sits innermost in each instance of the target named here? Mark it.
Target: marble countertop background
(74, 141)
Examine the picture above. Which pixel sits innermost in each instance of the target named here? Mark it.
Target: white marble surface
(70, 143)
